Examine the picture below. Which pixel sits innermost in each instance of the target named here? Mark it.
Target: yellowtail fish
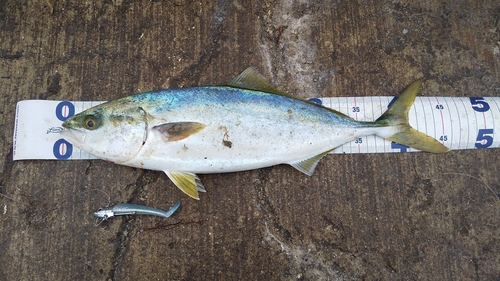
(247, 124)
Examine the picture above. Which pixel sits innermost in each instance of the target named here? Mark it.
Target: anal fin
(308, 165)
(189, 183)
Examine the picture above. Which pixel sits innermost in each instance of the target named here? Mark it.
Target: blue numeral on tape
(484, 138)
(62, 149)
(479, 104)
(65, 110)
(403, 148)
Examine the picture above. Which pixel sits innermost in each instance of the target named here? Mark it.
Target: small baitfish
(123, 209)
(247, 124)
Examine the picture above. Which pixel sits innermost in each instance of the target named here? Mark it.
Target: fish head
(105, 213)
(114, 131)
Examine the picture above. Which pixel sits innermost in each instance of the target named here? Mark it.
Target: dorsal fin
(250, 79)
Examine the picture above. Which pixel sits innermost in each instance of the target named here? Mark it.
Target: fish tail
(396, 118)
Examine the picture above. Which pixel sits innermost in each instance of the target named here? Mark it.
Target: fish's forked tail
(400, 131)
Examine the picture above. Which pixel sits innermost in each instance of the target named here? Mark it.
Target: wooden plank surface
(415, 216)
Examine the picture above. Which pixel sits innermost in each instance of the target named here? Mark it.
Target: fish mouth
(74, 136)
(99, 214)
(71, 131)
(68, 124)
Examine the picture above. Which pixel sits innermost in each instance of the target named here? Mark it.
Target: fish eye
(90, 123)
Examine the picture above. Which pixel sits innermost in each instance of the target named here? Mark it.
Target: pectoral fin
(189, 183)
(308, 165)
(178, 131)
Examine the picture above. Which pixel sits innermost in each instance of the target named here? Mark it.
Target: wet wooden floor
(410, 216)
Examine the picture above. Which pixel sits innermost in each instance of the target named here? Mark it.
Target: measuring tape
(457, 122)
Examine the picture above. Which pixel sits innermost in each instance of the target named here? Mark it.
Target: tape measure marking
(452, 121)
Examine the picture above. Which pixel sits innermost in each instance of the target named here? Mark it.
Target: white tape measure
(458, 123)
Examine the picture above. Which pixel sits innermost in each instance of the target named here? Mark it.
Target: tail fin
(397, 117)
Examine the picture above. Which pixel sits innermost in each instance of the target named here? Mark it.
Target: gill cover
(113, 131)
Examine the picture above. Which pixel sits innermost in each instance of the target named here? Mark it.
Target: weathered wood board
(415, 216)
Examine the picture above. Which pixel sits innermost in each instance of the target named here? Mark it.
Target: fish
(133, 209)
(244, 125)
